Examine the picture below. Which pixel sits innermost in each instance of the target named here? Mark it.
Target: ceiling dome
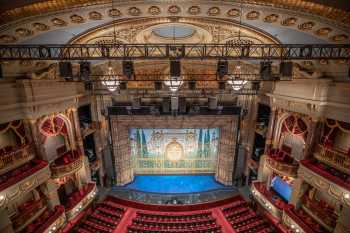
(174, 31)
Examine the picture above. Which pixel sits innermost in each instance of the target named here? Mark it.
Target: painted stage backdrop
(174, 151)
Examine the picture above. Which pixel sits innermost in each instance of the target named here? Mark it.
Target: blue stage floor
(174, 183)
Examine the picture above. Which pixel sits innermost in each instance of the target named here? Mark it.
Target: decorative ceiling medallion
(338, 38)
(289, 21)
(194, 10)
(213, 11)
(114, 13)
(323, 62)
(25, 62)
(41, 26)
(174, 9)
(76, 19)
(94, 15)
(323, 31)
(306, 26)
(7, 39)
(23, 32)
(271, 18)
(233, 12)
(58, 22)
(253, 15)
(134, 11)
(154, 10)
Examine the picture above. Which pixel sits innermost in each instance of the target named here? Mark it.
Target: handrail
(335, 158)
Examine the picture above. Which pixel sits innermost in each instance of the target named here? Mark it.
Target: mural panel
(169, 151)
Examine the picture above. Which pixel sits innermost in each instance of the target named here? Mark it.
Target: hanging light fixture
(111, 80)
(174, 83)
(237, 84)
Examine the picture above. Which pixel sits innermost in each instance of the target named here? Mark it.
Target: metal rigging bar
(175, 51)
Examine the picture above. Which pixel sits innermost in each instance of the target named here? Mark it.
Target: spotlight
(222, 68)
(128, 69)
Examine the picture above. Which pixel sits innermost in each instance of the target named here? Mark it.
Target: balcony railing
(267, 199)
(282, 167)
(66, 164)
(15, 158)
(337, 159)
(80, 199)
(296, 222)
(91, 128)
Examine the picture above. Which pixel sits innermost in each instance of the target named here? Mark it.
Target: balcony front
(282, 163)
(88, 128)
(23, 179)
(68, 163)
(11, 158)
(338, 159)
(268, 199)
(79, 200)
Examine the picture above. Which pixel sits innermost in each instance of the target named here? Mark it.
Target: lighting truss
(80, 52)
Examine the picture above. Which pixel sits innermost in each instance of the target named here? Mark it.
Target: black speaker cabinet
(192, 85)
(182, 104)
(286, 69)
(85, 70)
(222, 85)
(123, 85)
(128, 68)
(222, 68)
(166, 105)
(158, 85)
(65, 69)
(175, 68)
(265, 70)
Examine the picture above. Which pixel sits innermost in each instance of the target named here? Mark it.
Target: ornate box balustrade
(70, 165)
(83, 198)
(337, 159)
(281, 167)
(266, 200)
(55, 221)
(16, 158)
(293, 221)
(90, 129)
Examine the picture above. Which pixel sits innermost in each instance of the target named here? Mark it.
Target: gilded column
(36, 137)
(79, 138)
(270, 128)
(49, 188)
(313, 131)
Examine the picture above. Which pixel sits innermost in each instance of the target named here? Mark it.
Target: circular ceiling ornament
(194, 10)
(59, 22)
(253, 15)
(154, 10)
(233, 12)
(323, 31)
(289, 21)
(338, 38)
(41, 26)
(94, 15)
(323, 62)
(76, 19)
(271, 18)
(23, 32)
(174, 9)
(134, 11)
(114, 13)
(306, 26)
(213, 11)
(7, 39)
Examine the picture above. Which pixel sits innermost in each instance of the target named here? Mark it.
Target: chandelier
(237, 84)
(111, 80)
(174, 83)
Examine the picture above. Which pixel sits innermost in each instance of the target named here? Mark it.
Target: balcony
(79, 200)
(66, 164)
(267, 199)
(282, 163)
(316, 175)
(27, 213)
(88, 128)
(335, 158)
(17, 182)
(299, 221)
(12, 159)
(48, 221)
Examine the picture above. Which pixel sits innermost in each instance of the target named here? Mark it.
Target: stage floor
(174, 183)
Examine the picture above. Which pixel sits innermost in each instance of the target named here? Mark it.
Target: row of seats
(245, 220)
(104, 219)
(133, 229)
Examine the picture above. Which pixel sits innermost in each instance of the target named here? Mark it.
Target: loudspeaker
(222, 68)
(123, 86)
(192, 85)
(286, 69)
(182, 105)
(255, 86)
(222, 85)
(128, 68)
(349, 72)
(1, 74)
(136, 103)
(85, 70)
(174, 103)
(65, 70)
(166, 105)
(212, 103)
(265, 70)
(158, 85)
(175, 68)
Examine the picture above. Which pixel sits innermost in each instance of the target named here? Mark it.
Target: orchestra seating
(244, 220)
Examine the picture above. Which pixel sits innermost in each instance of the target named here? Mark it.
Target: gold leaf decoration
(134, 11)
(59, 22)
(194, 10)
(94, 15)
(154, 10)
(252, 15)
(77, 19)
(233, 12)
(271, 18)
(289, 21)
(213, 11)
(41, 26)
(114, 13)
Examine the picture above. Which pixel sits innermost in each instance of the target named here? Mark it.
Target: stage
(186, 189)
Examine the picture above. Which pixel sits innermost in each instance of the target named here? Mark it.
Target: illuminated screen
(174, 150)
(281, 187)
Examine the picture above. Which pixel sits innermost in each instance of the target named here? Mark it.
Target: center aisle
(129, 215)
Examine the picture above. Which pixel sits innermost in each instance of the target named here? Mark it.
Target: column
(36, 137)
(49, 188)
(297, 193)
(77, 130)
(270, 128)
(312, 137)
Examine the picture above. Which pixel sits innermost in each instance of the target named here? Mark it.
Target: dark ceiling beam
(79, 52)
